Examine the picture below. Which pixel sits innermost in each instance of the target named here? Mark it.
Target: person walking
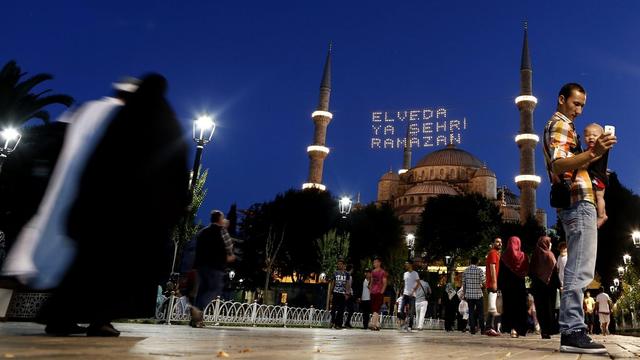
(451, 302)
(422, 303)
(604, 310)
(350, 306)
(567, 165)
(493, 267)
(408, 304)
(589, 311)
(514, 266)
(340, 290)
(544, 284)
(89, 228)
(473, 281)
(214, 250)
(378, 287)
(365, 299)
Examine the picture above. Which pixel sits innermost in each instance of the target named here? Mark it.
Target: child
(597, 170)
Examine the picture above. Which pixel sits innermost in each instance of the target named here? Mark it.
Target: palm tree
(18, 104)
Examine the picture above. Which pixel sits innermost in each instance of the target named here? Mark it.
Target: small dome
(390, 176)
(483, 171)
(509, 197)
(431, 189)
(450, 156)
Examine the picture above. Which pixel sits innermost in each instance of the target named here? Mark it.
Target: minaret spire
(406, 160)
(321, 119)
(526, 139)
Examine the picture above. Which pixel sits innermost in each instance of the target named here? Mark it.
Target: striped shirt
(561, 141)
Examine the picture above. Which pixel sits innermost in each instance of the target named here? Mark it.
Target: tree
(614, 237)
(271, 250)
(232, 216)
(457, 226)
(18, 104)
(187, 228)
(375, 231)
(331, 247)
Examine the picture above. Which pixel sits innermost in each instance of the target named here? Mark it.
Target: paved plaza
(25, 340)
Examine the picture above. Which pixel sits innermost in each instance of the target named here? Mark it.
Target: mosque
(451, 170)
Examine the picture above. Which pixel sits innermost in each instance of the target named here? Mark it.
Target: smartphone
(610, 129)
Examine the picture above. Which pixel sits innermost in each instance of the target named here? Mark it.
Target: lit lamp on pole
(612, 289)
(411, 241)
(620, 271)
(9, 139)
(635, 236)
(232, 274)
(203, 129)
(626, 258)
(616, 282)
(345, 206)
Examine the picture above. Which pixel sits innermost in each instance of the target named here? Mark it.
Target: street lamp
(635, 236)
(232, 274)
(612, 289)
(620, 270)
(616, 282)
(411, 240)
(203, 129)
(345, 206)
(323, 276)
(9, 139)
(626, 258)
(447, 260)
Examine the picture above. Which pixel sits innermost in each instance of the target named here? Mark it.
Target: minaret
(406, 160)
(321, 118)
(526, 139)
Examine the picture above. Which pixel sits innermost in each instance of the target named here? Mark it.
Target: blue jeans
(579, 223)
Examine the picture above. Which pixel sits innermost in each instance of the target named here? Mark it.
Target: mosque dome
(390, 176)
(483, 171)
(450, 156)
(431, 189)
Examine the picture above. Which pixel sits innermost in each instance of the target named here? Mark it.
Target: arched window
(412, 200)
(441, 173)
(452, 173)
(419, 199)
(431, 174)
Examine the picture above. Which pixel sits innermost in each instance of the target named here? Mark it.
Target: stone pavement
(25, 340)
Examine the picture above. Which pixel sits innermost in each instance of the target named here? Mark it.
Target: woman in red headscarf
(514, 266)
(544, 285)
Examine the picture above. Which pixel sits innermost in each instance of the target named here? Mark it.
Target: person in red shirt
(493, 266)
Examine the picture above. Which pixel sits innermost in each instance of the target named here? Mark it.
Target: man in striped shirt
(564, 156)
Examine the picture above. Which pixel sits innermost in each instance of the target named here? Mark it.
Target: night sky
(257, 67)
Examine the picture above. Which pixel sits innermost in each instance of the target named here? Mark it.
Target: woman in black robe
(514, 266)
(132, 192)
(544, 284)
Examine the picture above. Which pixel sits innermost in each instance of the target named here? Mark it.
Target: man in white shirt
(562, 261)
(603, 307)
(408, 304)
(424, 290)
(365, 299)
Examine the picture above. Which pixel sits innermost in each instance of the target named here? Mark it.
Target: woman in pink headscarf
(544, 284)
(514, 266)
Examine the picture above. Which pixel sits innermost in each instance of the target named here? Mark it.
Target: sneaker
(579, 342)
(492, 332)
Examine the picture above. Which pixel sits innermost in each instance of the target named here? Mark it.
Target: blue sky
(257, 66)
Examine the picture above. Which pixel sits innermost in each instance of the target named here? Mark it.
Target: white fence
(220, 312)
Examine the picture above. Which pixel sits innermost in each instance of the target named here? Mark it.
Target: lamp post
(345, 206)
(616, 282)
(203, 129)
(612, 289)
(626, 258)
(448, 260)
(635, 236)
(9, 139)
(411, 240)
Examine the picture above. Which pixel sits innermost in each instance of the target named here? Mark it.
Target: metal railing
(220, 312)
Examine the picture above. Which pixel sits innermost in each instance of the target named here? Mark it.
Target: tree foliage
(458, 226)
(331, 247)
(18, 101)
